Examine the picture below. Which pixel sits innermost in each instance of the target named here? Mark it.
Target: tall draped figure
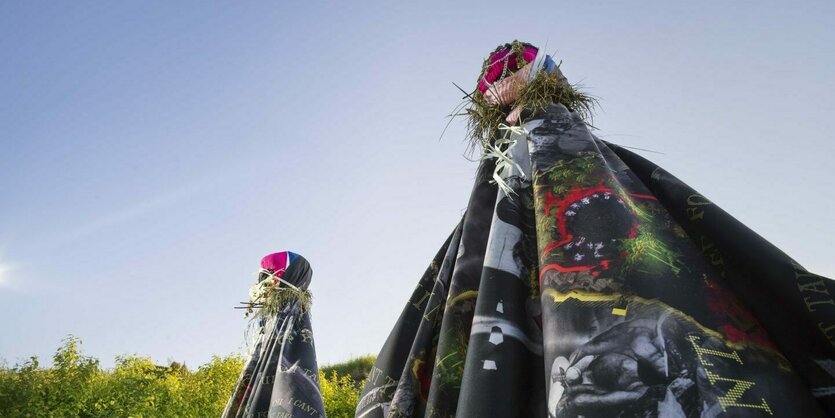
(281, 378)
(585, 281)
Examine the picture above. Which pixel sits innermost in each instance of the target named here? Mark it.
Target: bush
(357, 368)
(76, 386)
(339, 394)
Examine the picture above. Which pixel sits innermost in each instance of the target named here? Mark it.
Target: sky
(152, 152)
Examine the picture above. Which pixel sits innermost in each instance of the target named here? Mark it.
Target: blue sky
(152, 152)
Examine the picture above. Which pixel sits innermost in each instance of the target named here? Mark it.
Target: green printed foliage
(567, 174)
(76, 386)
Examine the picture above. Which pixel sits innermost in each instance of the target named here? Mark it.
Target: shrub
(76, 386)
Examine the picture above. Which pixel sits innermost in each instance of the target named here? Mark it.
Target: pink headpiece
(277, 262)
(502, 63)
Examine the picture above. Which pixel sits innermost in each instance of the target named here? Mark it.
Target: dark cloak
(281, 378)
(602, 286)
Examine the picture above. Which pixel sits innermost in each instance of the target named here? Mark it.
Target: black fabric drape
(281, 378)
(597, 285)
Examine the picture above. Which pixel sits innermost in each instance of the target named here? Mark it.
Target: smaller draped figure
(281, 377)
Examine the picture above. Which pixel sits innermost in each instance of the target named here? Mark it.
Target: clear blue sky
(152, 152)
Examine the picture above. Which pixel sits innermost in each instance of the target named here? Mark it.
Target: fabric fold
(281, 377)
(595, 284)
